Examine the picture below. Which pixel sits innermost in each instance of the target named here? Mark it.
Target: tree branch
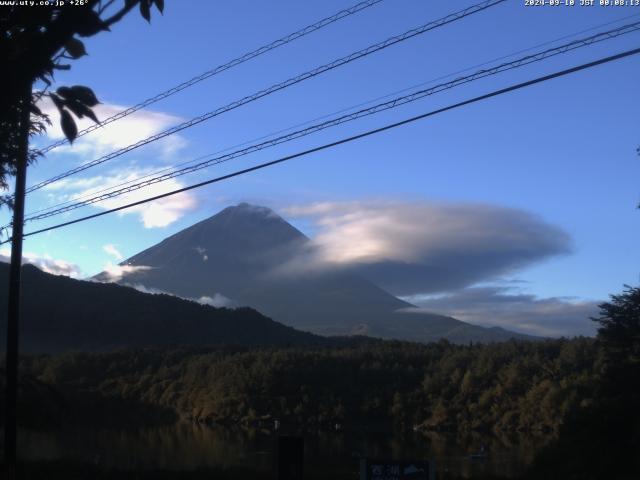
(118, 16)
(104, 7)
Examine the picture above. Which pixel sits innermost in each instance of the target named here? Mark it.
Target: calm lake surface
(187, 446)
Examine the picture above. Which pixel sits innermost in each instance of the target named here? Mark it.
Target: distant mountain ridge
(237, 254)
(61, 314)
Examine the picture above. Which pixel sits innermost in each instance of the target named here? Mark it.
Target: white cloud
(217, 300)
(352, 232)
(158, 213)
(524, 313)
(436, 256)
(118, 134)
(46, 263)
(359, 231)
(145, 289)
(426, 247)
(114, 273)
(113, 136)
(111, 249)
(72, 183)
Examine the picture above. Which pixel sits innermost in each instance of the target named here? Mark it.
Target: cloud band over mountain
(524, 313)
(413, 248)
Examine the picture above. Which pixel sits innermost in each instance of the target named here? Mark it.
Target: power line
(368, 133)
(277, 87)
(394, 103)
(221, 68)
(488, 62)
(292, 81)
(428, 82)
(127, 182)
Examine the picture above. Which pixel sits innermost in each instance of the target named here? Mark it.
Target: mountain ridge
(240, 253)
(61, 314)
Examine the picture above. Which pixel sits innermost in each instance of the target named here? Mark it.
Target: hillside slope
(60, 313)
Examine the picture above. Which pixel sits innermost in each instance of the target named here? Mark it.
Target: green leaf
(84, 95)
(75, 48)
(91, 114)
(35, 110)
(89, 23)
(57, 101)
(81, 110)
(64, 92)
(159, 5)
(145, 10)
(68, 125)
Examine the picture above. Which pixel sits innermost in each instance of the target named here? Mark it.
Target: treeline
(510, 386)
(584, 389)
(63, 314)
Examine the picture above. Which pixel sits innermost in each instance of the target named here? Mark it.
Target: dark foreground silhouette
(583, 389)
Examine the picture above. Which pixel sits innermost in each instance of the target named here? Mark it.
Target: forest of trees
(583, 391)
(524, 386)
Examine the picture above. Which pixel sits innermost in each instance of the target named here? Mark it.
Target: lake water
(187, 446)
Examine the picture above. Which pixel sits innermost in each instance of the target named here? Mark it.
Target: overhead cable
(221, 68)
(394, 103)
(276, 87)
(368, 133)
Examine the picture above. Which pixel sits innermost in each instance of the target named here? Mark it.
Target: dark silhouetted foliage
(60, 314)
(603, 440)
(34, 43)
(504, 387)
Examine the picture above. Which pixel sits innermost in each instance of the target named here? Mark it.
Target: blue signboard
(395, 470)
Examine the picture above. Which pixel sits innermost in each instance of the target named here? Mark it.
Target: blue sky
(561, 153)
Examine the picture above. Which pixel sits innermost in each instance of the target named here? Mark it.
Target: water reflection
(187, 446)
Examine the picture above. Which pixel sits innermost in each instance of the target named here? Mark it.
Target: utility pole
(15, 270)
